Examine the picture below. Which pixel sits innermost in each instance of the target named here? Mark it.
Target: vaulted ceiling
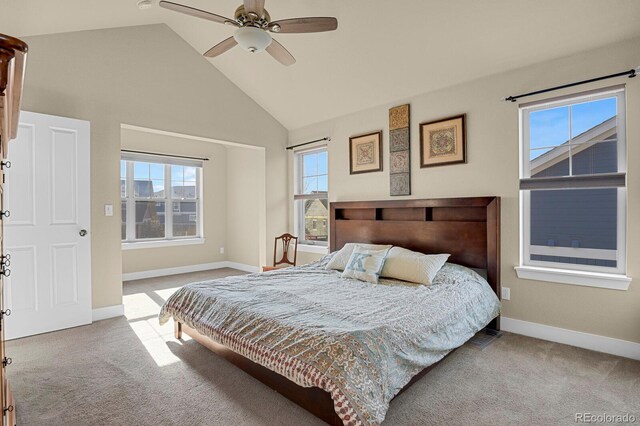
(382, 52)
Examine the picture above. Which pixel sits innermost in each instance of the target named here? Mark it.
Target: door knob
(82, 232)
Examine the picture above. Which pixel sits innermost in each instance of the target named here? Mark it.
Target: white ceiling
(383, 51)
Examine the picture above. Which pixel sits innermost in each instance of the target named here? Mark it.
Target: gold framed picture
(365, 153)
(443, 142)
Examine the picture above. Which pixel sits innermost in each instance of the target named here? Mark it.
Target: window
(160, 198)
(311, 196)
(573, 183)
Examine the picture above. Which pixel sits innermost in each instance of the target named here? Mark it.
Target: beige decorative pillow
(365, 264)
(407, 265)
(341, 258)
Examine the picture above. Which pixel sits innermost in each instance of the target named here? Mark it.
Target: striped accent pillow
(407, 265)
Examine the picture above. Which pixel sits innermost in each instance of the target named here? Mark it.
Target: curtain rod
(328, 139)
(164, 155)
(631, 73)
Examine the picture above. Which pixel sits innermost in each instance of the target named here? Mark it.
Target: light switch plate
(108, 209)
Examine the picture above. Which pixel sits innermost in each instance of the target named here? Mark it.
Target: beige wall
(246, 206)
(214, 186)
(146, 76)
(492, 130)
(306, 257)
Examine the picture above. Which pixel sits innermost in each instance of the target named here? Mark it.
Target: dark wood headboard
(467, 228)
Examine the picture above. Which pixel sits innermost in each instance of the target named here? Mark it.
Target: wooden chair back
(285, 241)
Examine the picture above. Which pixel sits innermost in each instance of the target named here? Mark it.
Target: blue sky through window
(315, 169)
(323, 163)
(152, 172)
(589, 114)
(550, 127)
(310, 164)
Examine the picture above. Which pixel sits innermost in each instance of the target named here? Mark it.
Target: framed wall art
(365, 153)
(443, 142)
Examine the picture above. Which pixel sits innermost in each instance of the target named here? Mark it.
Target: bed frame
(467, 228)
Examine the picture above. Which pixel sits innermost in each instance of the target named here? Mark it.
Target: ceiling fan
(254, 27)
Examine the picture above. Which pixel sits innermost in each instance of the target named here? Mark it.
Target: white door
(47, 232)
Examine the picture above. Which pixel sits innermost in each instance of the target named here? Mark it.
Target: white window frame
(589, 275)
(298, 189)
(131, 242)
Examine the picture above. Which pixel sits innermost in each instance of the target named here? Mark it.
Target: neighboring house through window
(161, 198)
(311, 196)
(573, 183)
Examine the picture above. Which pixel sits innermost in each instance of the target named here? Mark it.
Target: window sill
(161, 243)
(306, 248)
(566, 276)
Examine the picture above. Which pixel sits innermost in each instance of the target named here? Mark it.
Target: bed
(343, 349)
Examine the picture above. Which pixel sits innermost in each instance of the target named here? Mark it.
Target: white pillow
(341, 258)
(407, 265)
(365, 264)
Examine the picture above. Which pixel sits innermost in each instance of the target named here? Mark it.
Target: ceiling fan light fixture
(254, 27)
(252, 39)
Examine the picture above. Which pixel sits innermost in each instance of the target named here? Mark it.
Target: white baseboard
(107, 312)
(242, 267)
(186, 269)
(593, 342)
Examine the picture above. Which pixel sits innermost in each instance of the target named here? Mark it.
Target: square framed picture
(365, 153)
(443, 142)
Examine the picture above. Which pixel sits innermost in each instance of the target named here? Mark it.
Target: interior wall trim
(242, 267)
(186, 269)
(579, 339)
(107, 312)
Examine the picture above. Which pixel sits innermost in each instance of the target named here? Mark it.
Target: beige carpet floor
(130, 371)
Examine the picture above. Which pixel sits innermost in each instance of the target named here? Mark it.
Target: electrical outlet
(506, 293)
(108, 209)
(221, 250)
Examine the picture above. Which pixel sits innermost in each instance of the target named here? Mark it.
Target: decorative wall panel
(399, 151)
